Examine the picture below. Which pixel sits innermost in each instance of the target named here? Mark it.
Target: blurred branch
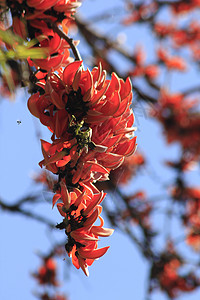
(105, 15)
(15, 208)
(191, 90)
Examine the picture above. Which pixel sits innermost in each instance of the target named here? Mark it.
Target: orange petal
(77, 174)
(64, 161)
(97, 230)
(92, 218)
(60, 209)
(79, 199)
(32, 105)
(65, 195)
(82, 236)
(56, 197)
(99, 198)
(99, 93)
(111, 107)
(70, 71)
(93, 254)
(55, 158)
(97, 167)
(83, 265)
(75, 84)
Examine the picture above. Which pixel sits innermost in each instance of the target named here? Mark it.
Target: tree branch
(70, 41)
(15, 208)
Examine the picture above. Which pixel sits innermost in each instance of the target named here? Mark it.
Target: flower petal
(93, 254)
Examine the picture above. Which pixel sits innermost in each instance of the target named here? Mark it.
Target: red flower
(184, 7)
(179, 120)
(58, 53)
(86, 95)
(47, 272)
(139, 55)
(93, 112)
(151, 71)
(164, 29)
(193, 238)
(46, 296)
(141, 69)
(176, 63)
(80, 210)
(53, 10)
(91, 122)
(171, 62)
(165, 274)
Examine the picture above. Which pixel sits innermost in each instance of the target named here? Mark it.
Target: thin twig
(70, 41)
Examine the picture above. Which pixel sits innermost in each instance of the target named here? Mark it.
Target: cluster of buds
(180, 121)
(89, 116)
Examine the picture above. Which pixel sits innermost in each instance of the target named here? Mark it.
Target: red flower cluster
(85, 111)
(47, 272)
(165, 274)
(172, 282)
(80, 211)
(172, 62)
(190, 198)
(151, 71)
(46, 296)
(91, 122)
(56, 48)
(185, 163)
(180, 121)
(163, 30)
(47, 277)
(184, 7)
(192, 218)
(182, 36)
(34, 19)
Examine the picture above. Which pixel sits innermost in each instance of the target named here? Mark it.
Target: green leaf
(7, 73)
(35, 41)
(35, 53)
(2, 56)
(10, 38)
